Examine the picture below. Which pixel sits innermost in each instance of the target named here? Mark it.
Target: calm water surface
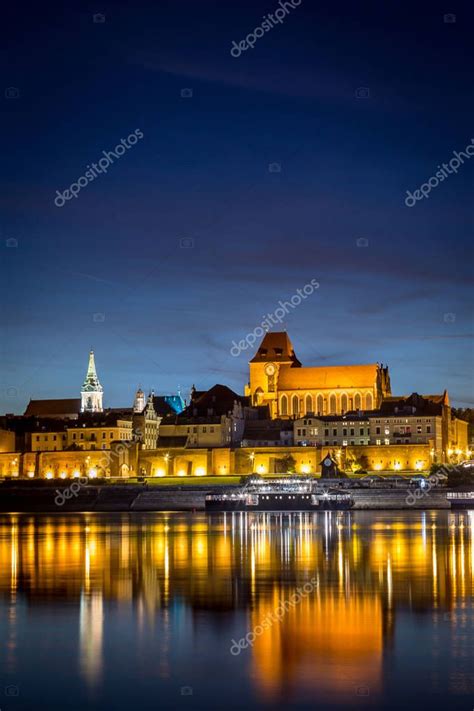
(120, 611)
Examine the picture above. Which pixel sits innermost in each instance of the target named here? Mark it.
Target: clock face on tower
(270, 369)
(327, 462)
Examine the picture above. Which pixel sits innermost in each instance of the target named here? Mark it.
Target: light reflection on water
(109, 606)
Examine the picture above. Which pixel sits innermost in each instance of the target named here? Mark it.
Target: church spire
(91, 371)
(92, 390)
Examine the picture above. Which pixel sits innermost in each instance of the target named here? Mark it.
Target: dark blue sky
(168, 314)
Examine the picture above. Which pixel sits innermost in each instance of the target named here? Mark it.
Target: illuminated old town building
(214, 418)
(399, 420)
(289, 417)
(278, 379)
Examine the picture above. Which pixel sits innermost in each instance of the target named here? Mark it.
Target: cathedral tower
(278, 380)
(92, 390)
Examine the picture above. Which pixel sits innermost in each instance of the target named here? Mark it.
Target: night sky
(288, 163)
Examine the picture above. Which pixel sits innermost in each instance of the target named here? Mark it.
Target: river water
(170, 611)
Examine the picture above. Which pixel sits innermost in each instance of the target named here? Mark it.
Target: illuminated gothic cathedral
(278, 379)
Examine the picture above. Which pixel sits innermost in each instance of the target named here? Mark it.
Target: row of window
(301, 432)
(45, 438)
(405, 429)
(63, 436)
(322, 405)
(335, 443)
(81, 437)
(203, 429)
(401, 429)
(399, 422)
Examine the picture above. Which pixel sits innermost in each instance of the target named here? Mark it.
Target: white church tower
(92, 390)
(139, 403)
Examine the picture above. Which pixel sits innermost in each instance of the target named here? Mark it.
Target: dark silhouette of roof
(53, 408)
(107, 418)
(217, 401)
(276, 347)
(414, 403)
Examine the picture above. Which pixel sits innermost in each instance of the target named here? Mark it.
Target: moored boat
(292, 494)
(461, 499)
